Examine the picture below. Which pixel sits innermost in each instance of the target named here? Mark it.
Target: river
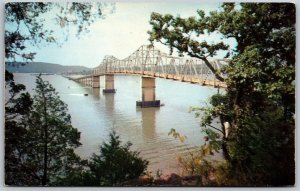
(97, 114)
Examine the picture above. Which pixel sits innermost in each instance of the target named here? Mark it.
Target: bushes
(113, 165)
(116, 163)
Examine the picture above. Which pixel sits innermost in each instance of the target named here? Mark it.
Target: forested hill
(42, 67)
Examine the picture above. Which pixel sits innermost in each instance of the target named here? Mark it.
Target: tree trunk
(225, 150)
(44, 179)
(208, 64)
(224, 141)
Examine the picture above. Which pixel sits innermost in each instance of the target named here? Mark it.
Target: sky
(119, 33)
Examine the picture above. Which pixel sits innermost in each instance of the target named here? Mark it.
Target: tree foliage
(44, 148)
(16, 107)
(256, 113)
(116, 163)
(25, 24)
(180, 33)
(40, 143)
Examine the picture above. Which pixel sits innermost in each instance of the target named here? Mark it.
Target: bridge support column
(109, 84)
(91, 81)
(96, 82)
(148, 93)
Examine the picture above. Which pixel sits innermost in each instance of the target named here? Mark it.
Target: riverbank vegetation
(256, 131)
(40, 143)
(39, 137)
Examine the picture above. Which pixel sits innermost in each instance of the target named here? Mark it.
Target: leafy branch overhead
(28, 23)
(183, 34)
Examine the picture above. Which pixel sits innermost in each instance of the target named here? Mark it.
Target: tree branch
(216, 129)
(208, 64)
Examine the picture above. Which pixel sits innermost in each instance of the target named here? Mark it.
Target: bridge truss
(149, 61)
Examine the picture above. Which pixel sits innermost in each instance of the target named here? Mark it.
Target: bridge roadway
(185, 78)
(151, 63)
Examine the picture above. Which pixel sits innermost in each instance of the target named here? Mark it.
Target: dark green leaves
(257, 111)
(116, 163)
(39, 130)
(182, 34)
(24, 24)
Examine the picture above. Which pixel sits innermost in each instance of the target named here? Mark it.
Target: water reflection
(95, 92)
(109, 104)
(148, 119)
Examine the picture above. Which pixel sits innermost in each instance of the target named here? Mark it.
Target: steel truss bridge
(149, 61)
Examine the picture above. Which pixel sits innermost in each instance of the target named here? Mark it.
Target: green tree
(116, 163)
(25, 24)
(44, 150)
(258, 107)
(17, 107)
(53, 137)
(182, 34)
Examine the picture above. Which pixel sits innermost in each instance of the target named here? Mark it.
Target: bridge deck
(182, 78)
(150, 61)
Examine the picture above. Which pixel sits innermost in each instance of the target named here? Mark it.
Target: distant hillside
(42, 67)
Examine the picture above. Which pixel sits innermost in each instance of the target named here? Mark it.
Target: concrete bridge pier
(86, 81)
(96, 82)
(109, 84)
(148, 93)
(91, 81)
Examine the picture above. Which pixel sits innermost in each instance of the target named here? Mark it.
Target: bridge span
(151, 63)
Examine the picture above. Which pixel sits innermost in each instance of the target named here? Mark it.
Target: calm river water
(97, 114)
